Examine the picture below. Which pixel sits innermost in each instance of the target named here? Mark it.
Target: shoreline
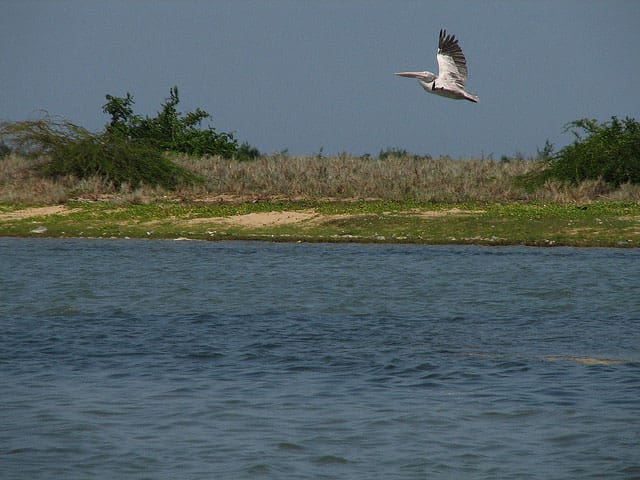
(597, 224)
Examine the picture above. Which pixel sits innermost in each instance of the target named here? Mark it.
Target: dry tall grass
(394, 178)
(341, 177)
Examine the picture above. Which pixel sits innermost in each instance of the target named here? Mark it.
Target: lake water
(238, 360)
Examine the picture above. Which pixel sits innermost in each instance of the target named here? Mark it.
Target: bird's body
(452, 71)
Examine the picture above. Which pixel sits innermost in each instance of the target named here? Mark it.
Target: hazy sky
(301, 75)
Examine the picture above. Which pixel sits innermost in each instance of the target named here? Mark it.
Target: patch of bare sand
(36, 212)
(446, 213)
(309, 216)
(260, 219)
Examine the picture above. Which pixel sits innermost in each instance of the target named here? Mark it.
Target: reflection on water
(153, 359)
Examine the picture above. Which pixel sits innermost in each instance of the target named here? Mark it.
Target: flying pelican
(452, 71)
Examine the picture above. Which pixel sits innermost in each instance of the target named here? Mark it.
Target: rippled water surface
(195, 360)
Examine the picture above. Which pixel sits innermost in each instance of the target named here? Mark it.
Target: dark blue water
(194, 360)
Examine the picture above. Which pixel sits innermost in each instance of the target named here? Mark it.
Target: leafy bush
(246, 152)
(610, 151)
(170, 130)
(400, 153)
(72, 150)
(118, 160)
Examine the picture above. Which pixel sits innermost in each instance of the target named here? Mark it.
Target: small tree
(120, 110)
(170, 130)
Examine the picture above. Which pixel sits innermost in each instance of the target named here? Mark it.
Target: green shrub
(246, 152)
(118, 160)
(170, 130)
(610, 151)
(4, 149)
(72, 150)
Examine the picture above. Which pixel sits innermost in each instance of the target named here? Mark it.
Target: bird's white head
(425, 76)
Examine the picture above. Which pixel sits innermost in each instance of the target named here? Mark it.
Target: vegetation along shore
(165, 177)
(614, 224)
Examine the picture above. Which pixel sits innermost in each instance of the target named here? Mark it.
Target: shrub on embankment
(171, 130)
(609, 152)
(72, 151)
(130, 151)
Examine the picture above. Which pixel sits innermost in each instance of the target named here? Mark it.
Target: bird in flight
(452, 71)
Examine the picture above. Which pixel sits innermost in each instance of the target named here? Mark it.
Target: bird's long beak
(412, 74)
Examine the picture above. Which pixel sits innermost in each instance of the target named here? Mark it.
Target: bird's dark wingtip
(446, 39)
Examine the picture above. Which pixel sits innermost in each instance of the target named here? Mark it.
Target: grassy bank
(614, 224)
(396, 178)
(343, 198)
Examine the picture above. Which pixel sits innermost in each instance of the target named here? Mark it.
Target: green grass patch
(613, 224)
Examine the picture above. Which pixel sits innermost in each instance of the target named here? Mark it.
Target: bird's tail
(472, 97)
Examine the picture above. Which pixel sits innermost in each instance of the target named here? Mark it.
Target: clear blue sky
(302, 75)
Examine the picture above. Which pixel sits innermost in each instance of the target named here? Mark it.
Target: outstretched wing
(451, 62)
